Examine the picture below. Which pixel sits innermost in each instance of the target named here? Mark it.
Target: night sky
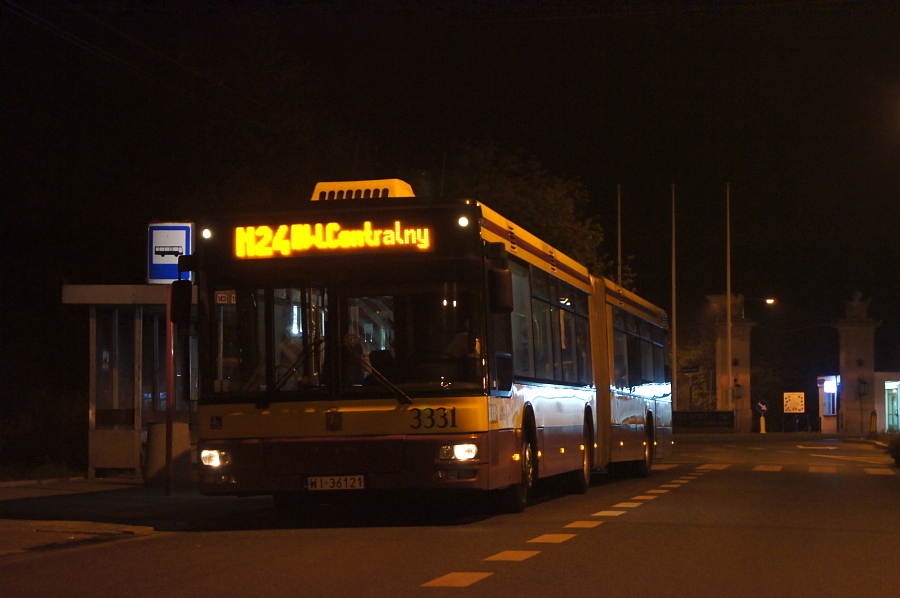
(118, 113)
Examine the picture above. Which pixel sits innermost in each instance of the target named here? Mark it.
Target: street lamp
(766, 300)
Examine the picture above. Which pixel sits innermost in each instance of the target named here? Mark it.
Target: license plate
(336, 482)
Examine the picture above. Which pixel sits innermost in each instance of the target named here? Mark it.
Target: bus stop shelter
(127, 403)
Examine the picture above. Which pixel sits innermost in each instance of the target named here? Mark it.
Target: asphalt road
(774, 515)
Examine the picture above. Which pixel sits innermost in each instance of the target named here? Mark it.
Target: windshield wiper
(304, 354)
(401, 396)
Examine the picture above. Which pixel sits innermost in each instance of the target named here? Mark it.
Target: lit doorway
(891, 407)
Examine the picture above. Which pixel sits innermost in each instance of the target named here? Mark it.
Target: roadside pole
(763, 408)
(166, 242)
(170, 388)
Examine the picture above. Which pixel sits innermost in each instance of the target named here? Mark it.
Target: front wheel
(514, 499)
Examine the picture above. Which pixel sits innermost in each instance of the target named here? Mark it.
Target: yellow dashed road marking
(462, 579)
(552, 538)
(513, 555)
(869, 460)
(878, 471)
(456, 580)
(768, 468)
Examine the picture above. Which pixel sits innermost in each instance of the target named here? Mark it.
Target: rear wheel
(642, 467)
(579, 481)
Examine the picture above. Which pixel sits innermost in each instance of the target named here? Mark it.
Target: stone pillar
(857, 368)
(734, 394)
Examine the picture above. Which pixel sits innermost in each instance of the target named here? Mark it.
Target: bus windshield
(319, 342)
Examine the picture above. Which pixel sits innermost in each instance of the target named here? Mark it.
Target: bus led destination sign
(288, 240)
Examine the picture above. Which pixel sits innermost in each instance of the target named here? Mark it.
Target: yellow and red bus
(372, 339)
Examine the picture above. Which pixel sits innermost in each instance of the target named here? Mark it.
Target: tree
(516, 185)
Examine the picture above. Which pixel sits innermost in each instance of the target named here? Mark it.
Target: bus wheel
(514, 499)
(579, 481)
(642, 468)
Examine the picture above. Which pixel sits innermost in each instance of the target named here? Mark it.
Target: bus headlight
(459, 452)
(214, 458)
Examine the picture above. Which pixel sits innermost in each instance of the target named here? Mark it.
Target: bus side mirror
(182, 298)
(504, 372)
(500, 290)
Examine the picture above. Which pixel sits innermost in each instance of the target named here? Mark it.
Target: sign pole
(166, 241)
(170, 388)
(763, 408)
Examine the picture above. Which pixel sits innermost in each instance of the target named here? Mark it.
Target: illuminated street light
(766, 300)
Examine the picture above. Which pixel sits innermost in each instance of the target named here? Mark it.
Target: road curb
(18, 483)
(20, 535)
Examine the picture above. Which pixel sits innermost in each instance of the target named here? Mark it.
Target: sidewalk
(66, 512)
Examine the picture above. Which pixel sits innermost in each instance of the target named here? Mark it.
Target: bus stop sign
(165, 242)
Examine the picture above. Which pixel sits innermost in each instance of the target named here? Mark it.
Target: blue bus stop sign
(762, 407)
(165, 242)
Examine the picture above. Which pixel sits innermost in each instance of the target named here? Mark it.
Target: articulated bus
(371, 339)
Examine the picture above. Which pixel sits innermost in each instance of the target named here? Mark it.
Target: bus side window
(620, 348)
(523, 359)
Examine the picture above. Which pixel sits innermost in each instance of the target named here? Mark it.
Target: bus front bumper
(347, 463)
